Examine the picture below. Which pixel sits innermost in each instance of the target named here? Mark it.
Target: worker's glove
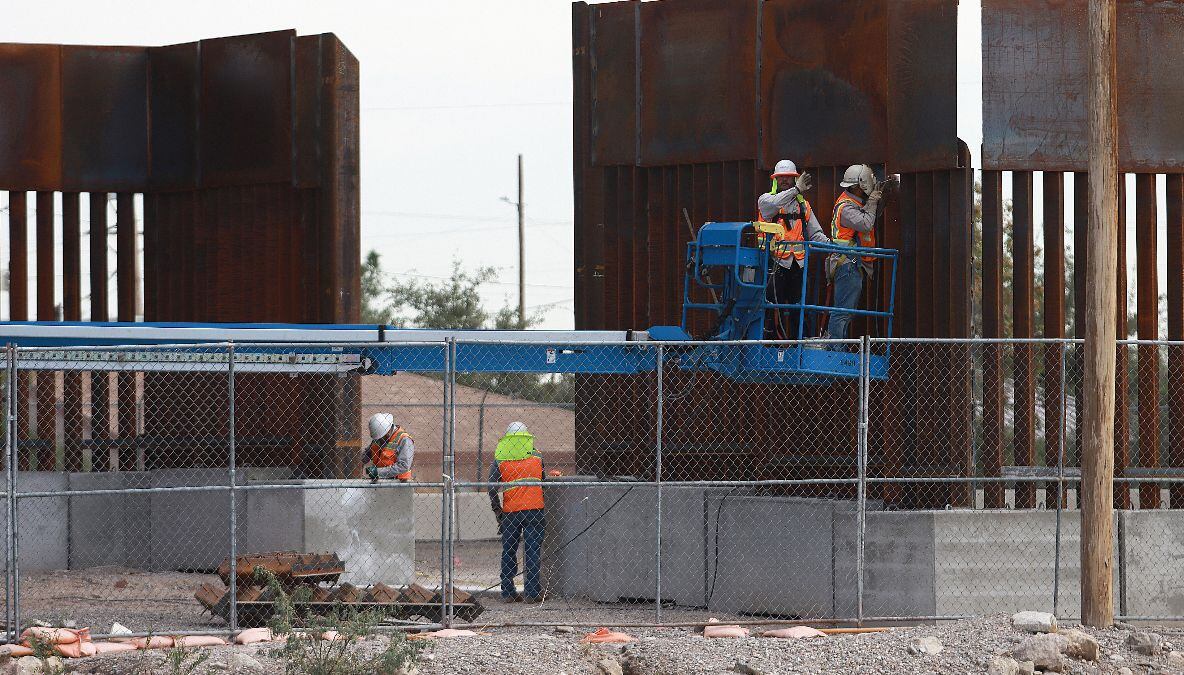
(887, 185)
(372, 472)
(803, 183)
(876, 195)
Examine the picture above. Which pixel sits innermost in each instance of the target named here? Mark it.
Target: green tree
(375, 308)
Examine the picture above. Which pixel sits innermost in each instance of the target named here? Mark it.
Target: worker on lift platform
(391, 451)
(785, 205)
(853, 224)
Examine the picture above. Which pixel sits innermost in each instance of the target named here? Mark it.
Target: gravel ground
(968, 647)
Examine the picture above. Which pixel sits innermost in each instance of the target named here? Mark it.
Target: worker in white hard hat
(853, 223)
(519, 512)
(785, 204)
(391, 450)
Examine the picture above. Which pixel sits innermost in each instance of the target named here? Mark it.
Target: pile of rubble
(311, 581)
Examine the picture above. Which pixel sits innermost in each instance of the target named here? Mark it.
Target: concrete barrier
(1152, 562)
(110, 529)
(42, 522)
(473, 520)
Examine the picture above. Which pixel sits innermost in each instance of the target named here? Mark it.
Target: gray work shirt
(861, 217)
(769, 205)
(404, 458)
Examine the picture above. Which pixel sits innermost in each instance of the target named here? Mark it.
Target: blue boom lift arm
(724, 260)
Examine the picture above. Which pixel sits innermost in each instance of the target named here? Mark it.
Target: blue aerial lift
(725, 261)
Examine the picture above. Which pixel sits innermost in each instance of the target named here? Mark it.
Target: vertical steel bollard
(861, 469)
(233, 506)
(1056, 566)
(9, 482)
(658, 481)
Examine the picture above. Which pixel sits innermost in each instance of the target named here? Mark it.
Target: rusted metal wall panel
(104, 118)
(173, 91)
(614, 69)
(1035, 65)
(246, 109)
(922, 91)
(306, 102)
(824, 82)
(1122, 430)
(30, 117)
(1147, 302)
(701, 92)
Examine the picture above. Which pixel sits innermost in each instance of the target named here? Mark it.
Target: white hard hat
(515, 428)
(861, 175)
(785, 168)
(381, 425)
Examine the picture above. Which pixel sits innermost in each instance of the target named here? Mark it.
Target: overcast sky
(450, 93)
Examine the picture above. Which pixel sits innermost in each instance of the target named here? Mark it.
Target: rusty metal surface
(922, 85)
(1034, 70)
(173, 87)
(824, 85)
(701, 92)
(30, 116)
(246, 109)
(104, 118)
(18, 261)
(614, 64)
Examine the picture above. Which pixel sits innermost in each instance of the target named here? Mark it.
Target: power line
(494, 283)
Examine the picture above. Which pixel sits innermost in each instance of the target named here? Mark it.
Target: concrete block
(1152, 562)
(274, 518)
(473, 517)
(42, 522)
(372, 529)
(110, 529)
(565, 569)
(427, 507)
(191, 530)
(898, 576)
(775, 555)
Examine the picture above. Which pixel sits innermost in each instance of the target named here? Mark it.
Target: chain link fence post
(1056, 569)
(9, 484)
(233, 507)
(449, 409)
(450, 434)
(861, 468)
(13, 504)
(658, 482)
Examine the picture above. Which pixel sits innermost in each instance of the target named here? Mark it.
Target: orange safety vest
(527, 497)
(846, 235)
(793, 229)
(387, 453)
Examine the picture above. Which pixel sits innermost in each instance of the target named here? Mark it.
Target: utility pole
(1097, 466)
(521, 248)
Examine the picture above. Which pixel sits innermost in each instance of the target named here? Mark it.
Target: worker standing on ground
(786, 206)
(391, 449)
(520, 511)
(853, 223)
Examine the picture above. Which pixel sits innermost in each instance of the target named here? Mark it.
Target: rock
(1122, 625)
(564, 629)
(120, 629)
(1080, 646)
(608, 667)
(745, 669)
(1027, 668)
(242, 663)
(1147, 644)
(1034, 622)
(1125, 671)
(1117, 658)
(1175, 661)
(1044, 651)
(926, 645)
(1003, 665)
(31, 665)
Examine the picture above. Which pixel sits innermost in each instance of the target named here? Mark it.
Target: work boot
(534, 600)
(511, 599)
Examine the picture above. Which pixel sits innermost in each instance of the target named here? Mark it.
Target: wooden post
(1097, 466)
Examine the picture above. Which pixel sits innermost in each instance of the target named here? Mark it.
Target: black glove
(372, 472)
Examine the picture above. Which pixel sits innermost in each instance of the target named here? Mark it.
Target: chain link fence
(935, 479)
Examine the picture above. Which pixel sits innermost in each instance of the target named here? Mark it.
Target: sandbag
(114, 647)
(199, 641)
(604, 635)
(714, 629)
(15, 651)
(444, 633)
(68, 642)
(154, 642)
(797, 632)
(251, 636)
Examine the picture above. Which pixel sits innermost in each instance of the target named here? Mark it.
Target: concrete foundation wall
(473, 519)
(1152, 569)
(42, 522)
(110, 529)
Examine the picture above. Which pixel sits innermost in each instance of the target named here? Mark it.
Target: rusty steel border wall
(685, 104)
(245, 150)
(1034, 120)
